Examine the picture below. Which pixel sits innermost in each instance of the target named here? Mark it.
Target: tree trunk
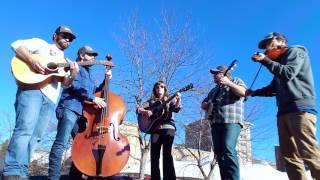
(143, 160)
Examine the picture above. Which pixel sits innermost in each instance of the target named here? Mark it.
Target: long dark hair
(154, 94)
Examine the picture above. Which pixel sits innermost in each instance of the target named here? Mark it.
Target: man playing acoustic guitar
(35, 107)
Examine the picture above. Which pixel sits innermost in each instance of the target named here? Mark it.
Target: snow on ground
(247, 172)
(262, 171)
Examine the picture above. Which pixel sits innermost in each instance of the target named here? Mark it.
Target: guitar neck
(86, 63)
(170, 98)
(186, 88)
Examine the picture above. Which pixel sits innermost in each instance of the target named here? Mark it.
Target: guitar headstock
(186, 88)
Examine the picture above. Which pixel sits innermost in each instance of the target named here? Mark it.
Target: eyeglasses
(66, 36)
(90, 54)
(217, 73)
(272, 43)
(160, 86)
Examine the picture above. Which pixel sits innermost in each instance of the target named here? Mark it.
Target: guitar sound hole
(52, 65)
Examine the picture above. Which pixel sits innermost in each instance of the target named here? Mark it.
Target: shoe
(11, 177)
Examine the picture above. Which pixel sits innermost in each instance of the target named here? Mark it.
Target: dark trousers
(79, 126)
(224, 138)
(164, 138)
(75, 173)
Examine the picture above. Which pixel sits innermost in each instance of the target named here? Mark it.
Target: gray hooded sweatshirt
(292, 83)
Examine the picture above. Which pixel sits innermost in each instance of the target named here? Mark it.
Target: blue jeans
(224, 138)
(33, 112)
(66, 123)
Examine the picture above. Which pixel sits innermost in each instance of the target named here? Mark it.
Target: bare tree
(201, 150)
(6, 129)
(134, 46)
(7, 125)
(170, 54)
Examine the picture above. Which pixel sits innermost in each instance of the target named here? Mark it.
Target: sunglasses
(90, 54)
(66, 36)
(160, 86)
(217, 73)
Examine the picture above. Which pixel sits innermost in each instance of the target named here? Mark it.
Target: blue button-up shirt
(83, 88)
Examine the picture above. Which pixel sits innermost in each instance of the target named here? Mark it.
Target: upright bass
(101, 150)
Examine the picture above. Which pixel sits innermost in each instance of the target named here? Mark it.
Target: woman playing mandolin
(164, 134)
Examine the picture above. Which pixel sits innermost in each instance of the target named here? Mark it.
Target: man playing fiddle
(293, 87)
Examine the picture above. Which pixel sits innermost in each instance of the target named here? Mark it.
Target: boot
(11, 177)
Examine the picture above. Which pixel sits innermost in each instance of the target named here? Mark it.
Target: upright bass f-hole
(114, 132)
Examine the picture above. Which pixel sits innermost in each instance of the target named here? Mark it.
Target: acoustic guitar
(27, 78)
(159, 111)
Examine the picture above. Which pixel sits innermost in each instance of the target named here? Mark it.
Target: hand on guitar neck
(178, 99)
(74, 70)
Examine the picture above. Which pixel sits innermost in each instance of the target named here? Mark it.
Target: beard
(62, 44)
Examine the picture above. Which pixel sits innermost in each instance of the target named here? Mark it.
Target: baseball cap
(65, 29)
(221, 68)
(263, 42)
(87, 50)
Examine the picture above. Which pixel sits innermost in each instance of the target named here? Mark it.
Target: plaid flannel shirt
(227, 107)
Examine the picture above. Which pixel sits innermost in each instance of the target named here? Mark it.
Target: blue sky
(229, 29)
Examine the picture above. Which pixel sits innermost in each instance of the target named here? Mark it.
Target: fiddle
(273, 54)
(276, 53)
